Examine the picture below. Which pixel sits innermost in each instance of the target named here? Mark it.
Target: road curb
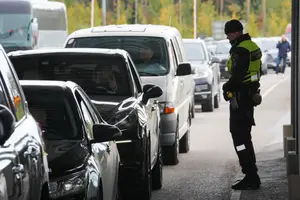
(235, 195)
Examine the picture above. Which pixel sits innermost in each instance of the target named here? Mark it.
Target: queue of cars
(97, 119)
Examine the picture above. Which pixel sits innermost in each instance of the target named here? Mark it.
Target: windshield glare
(149, 54)
(14, 29)
(223, 48)
(195, 52)
(96, 74)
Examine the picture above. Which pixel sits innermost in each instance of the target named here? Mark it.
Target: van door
(180, 88)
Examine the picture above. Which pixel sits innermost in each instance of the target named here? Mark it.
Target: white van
(159, 56)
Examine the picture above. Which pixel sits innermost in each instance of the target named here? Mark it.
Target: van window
(13, 87)
(150, 54)
(178, 50)
(50, 19)
(96, 74)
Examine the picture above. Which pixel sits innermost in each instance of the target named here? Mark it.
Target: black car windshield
(150, 54)
(195, 51)
(96, 74)
(53, 113)
(223, 48)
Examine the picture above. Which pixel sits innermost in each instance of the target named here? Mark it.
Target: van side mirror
(105, 132)
(7, 123)
(184, 69)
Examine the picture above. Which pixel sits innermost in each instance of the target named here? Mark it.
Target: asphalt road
(209, 169)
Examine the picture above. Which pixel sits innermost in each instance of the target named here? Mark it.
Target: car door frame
(151, 108)
(106, 149)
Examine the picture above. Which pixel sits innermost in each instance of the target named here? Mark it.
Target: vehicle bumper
(168, 123)
(202, 97)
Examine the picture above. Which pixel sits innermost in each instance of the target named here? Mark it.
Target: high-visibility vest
(253, 72)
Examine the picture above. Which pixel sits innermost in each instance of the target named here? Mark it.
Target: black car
(23, 161)
(206, 74)
(83, 157)
(111, 81)
(222, 53)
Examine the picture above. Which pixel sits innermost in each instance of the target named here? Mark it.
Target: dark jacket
(240, 64)
(283, 48)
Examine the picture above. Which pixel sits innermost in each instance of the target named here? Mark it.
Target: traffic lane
(209, 169)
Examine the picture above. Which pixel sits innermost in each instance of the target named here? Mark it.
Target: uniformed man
(242, 91)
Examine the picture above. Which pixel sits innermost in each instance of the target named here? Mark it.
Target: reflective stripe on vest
(253, 73)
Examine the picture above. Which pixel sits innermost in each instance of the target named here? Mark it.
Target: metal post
(103, 12)
(136, 11)
(92, 12)
(264, 17)
(195, 19)
(248, 10)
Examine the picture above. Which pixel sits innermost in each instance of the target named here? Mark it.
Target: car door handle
(108, 149)
(18, 171)
(32, 152)
(153, 108)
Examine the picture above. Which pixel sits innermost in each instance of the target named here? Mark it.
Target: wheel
(170, 153)
(209, 105)
(145, 191)
(193, 108)
(217, 100)
(184, 144)
(157, 171)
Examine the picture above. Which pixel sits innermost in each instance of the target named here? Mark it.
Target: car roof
(54, 86)
(101, 51)
(127, 30)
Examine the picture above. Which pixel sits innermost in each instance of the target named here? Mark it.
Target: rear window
(150, 54)
(54, 115)
(223, 48)
(195, 51)
(97, 75)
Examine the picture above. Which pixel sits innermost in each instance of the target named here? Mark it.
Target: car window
(13, 88)
(150, 54)
(177, 51)
(96, 74)
(174, 56)
(135, 75)
(195, 51)
(88, 119)
(55, 115)
(3, 98)
(223, 48)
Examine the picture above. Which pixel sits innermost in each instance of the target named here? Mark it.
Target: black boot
(249, 182)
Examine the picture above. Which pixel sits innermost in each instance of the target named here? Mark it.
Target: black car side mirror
(184, 69)
(215, 60)
(151, 91)
(105, 133)
(7, 123)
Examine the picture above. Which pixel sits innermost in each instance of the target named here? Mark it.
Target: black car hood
(65, 156)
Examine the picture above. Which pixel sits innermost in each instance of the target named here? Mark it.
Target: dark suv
(23, 161)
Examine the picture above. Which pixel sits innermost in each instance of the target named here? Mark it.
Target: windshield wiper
(148, 73)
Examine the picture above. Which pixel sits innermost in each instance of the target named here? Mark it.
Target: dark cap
(233, 26)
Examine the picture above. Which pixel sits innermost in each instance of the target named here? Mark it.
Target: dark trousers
(241, 122)
(279, 58)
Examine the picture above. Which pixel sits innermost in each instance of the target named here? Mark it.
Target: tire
(208, 106)
(157, 171)
(217, 100)
(145, 191)
(193, 109)
(184, 144)
(171, 153)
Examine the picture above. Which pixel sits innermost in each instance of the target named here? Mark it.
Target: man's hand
(226, 98)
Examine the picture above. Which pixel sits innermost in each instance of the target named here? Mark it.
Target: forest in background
(179, 13)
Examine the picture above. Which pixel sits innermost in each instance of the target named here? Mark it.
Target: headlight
(71, 184)
(201, 74)
(125, 119)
